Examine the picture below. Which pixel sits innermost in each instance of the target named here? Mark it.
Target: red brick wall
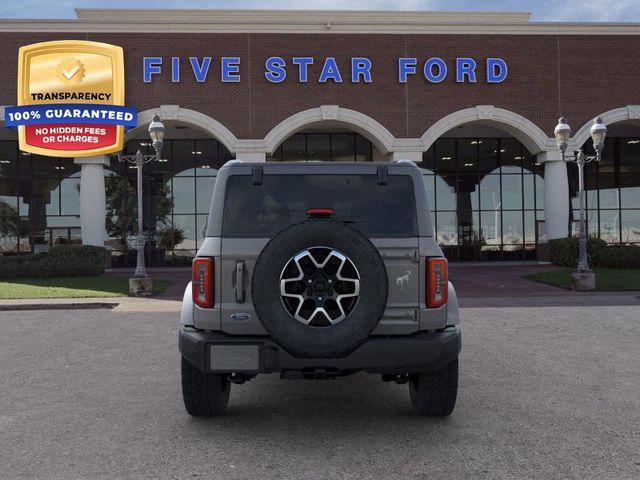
(578, 76)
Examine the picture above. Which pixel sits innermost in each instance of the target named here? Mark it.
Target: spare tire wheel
(319, 288)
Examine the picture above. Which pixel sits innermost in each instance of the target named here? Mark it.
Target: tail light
(437, 282)
(202, 282)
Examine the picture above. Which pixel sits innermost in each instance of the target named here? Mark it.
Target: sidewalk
(477, 285)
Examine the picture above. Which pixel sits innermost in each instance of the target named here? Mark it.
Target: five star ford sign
(70, 99)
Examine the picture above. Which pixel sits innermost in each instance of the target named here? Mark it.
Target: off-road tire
(338, 339)
(433, 394)
(204, 394)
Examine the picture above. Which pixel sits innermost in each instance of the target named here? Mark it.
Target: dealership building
(471, 98)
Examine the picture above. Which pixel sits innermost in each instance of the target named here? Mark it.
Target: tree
(9, 221)
(122, 208)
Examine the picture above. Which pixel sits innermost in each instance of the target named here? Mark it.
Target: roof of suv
(238, 166)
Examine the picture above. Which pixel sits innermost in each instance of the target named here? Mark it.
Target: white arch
(200, 120)
(382, 138)
(531, 136)
(630, 112)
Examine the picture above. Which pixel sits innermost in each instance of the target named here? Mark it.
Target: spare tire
(319, 288)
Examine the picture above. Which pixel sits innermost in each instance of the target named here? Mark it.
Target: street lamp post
(156, 133)
(562, 133)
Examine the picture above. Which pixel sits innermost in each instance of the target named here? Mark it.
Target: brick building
(473, 98)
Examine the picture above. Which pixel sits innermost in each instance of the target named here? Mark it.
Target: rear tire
(204, 394)
(433, 394)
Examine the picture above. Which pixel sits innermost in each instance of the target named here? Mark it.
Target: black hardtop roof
(236, 166)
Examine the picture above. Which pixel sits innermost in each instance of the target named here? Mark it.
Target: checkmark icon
(71, 73)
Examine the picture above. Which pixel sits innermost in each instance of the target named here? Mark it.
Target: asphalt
(546, 392)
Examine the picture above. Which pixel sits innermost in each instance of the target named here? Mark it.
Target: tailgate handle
(240, 281)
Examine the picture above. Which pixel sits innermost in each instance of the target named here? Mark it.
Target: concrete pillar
(252, 156)
(411, 155)
(556, 194)
(92, 199)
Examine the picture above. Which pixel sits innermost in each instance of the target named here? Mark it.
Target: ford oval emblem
(240, 316)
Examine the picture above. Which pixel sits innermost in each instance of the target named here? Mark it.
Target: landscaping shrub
(564, 252)
(61, 261)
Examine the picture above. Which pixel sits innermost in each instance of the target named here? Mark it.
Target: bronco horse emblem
(402, 280)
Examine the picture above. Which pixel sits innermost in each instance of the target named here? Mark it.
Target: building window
(326, 147)
(485, 195)
(612, 190)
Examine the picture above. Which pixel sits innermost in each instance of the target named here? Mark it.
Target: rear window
(281, 200)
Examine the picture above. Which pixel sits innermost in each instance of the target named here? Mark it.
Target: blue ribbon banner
(70, 113)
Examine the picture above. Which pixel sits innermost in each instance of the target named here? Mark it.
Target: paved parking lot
(545, 393)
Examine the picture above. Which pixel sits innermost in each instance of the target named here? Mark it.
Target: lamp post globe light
(141, 283)
(583, 278)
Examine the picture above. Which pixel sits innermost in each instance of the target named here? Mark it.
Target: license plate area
(234, 358)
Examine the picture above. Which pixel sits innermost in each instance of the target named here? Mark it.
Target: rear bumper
(219, 352)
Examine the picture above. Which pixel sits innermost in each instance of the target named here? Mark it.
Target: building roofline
(310, 21)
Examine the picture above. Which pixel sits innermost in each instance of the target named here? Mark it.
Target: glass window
(512, 192)
(447, 228)
(528, 191)
(609, 225)
(530, 227)
(183, 157)
(44, 166)
(294, 148)
(631, 226)
(431, 194)
(187, 223)
(427, 159)
(364, 149)
(488, 156)
(491, 224)
(263, 211)
(445, 157)
(445, 195)
(319, 147)
(490, 198)
(70, 196)
(511, 155)
(343, 147)
(512, 228)
(204, 190)
(8, 159)
(630, 190)
(183, 195)
(629, 155)
(467, 153)
(467, 192)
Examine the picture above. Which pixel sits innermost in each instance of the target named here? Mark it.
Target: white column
(407, 155)
(92, 199)
(251, 156)
(556, 194)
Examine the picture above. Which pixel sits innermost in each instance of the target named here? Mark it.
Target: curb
(57, 306)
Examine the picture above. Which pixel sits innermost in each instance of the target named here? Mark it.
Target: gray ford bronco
(319, 270)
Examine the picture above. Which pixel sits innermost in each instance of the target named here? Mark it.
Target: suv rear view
(319, 270)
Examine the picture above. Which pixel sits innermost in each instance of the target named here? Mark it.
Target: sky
(542, 10)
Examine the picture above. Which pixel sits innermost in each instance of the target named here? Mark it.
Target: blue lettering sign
(330, 71)
(175, 69)
(303, 64)
(465, 67)
(406, 66)
(360, 67)
(200, 71)
(151, 66)
(496, 70)
(275, 69)
(428, 70)
(230, 70)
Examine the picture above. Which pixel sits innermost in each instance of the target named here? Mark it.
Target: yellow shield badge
(71, 99)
